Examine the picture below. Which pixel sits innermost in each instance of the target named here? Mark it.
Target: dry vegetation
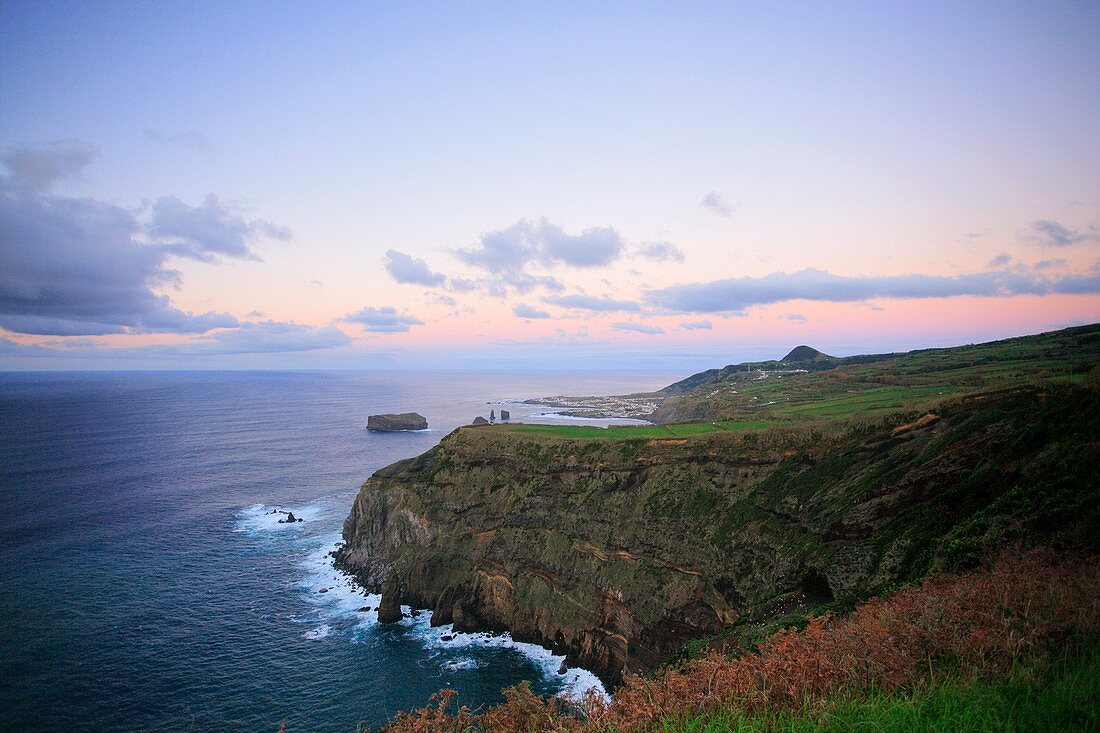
(976, 625)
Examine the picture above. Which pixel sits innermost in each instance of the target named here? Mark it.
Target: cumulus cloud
(190, 139)
(1001, 260)
(383, 320)
(696, 326)
(37, 168)
(507, 254)
(208, 231)
(736, 294)
(591, 303)
(407, 269)
(660, 251)
(526, 311)
(83, 267)
(1052, 234)
(638, 328)
(717, 204)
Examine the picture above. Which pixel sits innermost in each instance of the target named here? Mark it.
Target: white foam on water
(460, 663)
(260, 518)
(575, 682)
(343, 597)
(319, 632)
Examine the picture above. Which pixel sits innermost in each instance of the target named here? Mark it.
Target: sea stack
(393, 423)
(389, 610)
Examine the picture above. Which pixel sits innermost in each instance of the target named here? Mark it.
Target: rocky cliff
(617, 552)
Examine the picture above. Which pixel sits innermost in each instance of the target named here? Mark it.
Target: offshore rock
(392, 423)
(389, 610)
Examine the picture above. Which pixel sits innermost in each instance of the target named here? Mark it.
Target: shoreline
(576, 682)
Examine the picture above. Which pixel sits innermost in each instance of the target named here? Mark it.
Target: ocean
(146, 584)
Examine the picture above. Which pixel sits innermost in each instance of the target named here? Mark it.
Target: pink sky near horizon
(662, 165)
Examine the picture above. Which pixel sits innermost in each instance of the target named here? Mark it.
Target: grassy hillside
(841, 388)
(687, 548)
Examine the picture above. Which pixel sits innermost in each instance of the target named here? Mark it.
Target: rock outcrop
(617, 552)
(479, 420)
(389, 610)
(392, 423)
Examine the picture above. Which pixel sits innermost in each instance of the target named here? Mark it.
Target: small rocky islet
(396, 422)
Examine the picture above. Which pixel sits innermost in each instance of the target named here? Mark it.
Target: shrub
(976, 625)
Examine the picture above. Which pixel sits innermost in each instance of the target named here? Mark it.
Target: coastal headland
(811, 484)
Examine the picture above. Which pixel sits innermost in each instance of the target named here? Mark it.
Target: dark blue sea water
(144, 584)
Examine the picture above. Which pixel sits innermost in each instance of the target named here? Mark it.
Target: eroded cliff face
(618, 552)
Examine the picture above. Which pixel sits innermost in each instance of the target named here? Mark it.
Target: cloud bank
(737, 294)
(591, 303)
(638, 328)
(83, 267)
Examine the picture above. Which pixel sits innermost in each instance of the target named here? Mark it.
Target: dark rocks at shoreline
(563, 668)
(396, 422)
(479, 420)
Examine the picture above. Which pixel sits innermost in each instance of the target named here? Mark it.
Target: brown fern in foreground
(974, 624)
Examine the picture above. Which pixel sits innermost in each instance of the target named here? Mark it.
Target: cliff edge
(617, 552)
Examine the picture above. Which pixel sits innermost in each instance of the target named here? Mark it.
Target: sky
(548, 185)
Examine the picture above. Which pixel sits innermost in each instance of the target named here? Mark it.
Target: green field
(759, 395)
(620, 432)
(841, 388)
